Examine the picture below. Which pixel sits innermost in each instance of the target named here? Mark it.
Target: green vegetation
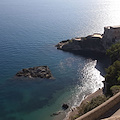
(70, 41)
(115, 89)
(112, 77)
(114, 52)
(90, 105)
(113, 73)
(75, 117)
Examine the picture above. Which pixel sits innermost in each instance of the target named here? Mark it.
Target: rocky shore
(92, 43)
(87, 99)
(39, 71)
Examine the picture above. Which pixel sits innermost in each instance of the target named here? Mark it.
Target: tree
(114, 52)
(113, 73)
(112, 76)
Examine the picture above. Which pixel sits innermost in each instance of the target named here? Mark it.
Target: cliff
(92, 43)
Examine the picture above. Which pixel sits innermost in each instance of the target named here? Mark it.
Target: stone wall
(100, 110)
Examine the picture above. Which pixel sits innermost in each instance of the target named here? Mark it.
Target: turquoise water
(29, 29)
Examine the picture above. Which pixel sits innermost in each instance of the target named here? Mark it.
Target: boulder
(54, 114)
(65, 106)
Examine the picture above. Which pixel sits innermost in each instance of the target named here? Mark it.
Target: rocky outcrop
(40, 71)
(57, 113)
(89, 43)
(93, 43)
(65, 106)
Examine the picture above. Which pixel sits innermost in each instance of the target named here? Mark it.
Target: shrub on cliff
(94, 103)
(112, 76)
(115, 89)
(86, 107)
(113, 73)
(114, 52)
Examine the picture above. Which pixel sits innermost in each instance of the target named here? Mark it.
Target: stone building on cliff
(111, 35)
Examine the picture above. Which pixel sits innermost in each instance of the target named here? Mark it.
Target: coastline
(96, 43)
(74, 111)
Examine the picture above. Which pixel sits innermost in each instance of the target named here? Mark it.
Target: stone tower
(111, 35)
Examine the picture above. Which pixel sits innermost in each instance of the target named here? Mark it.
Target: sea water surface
(29, 30)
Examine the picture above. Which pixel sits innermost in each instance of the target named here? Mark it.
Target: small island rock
(39, 71)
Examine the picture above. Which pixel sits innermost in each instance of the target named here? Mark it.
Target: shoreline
(74, 111)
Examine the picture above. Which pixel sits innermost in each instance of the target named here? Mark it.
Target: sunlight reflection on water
(91, 81)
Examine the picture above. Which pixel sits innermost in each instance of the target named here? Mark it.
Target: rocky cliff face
(93, 43)
(83, 44)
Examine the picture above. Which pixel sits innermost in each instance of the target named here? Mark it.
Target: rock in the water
(40, 71)
(54, 114)
(65, 106)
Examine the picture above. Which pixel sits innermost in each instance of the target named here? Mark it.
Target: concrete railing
(101, 109)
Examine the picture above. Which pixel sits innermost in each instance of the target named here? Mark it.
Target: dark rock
(40, 71)
(65, 106)
(54, 114)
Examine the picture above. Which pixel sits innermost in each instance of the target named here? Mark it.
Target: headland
(92, 43)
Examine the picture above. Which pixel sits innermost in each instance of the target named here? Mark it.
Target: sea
(29, 31)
